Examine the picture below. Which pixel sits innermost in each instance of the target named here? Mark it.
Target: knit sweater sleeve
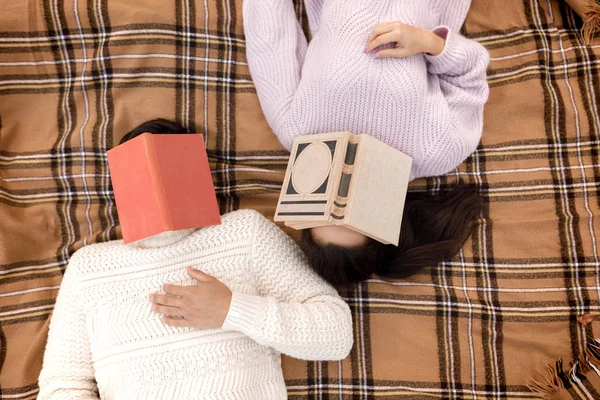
(458, 92)
(452, 13)
(313, 12)
(67, 370)
(296, 312)
(275, 49)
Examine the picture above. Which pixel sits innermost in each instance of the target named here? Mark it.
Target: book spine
(157, 180)
(338, 209)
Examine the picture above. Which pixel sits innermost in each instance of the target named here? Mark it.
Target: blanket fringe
(591, 21)
(557, 378)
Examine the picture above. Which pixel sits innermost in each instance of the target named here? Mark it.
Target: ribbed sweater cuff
(243, 312)
(453, 55)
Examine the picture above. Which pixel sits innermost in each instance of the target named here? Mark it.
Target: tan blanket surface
(77, 75)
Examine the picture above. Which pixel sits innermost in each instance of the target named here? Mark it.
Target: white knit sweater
(429, 107)
(105, 338)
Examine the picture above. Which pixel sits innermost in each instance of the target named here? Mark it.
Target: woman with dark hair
(434, 227)
(396, 70)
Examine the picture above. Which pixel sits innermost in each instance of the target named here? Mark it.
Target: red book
(162, 183)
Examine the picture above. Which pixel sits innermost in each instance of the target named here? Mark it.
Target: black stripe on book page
(336, 216)
(335, 203)
(305, 202)
(300, 213)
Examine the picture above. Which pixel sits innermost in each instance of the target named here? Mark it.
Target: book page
(312, 178)
(306, 225)
(378, 190)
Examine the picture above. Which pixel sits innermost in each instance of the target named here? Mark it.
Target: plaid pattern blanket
(589, 11)
(76, 75)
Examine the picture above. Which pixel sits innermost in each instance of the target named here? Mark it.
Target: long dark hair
(434, 227)
(159, 125)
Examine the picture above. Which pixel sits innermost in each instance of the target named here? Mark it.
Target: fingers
(171, 321)
(167, 305)
(380, 29)
(381, 40)
(587, 319)
(165, 300)
(393, 53)
(175, 290)
(171, 311)
(199, 275)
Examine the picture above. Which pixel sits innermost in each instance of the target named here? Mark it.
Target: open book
(345, 179)
(162, 182)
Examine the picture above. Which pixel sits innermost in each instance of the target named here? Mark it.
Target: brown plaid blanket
(76, 75)
(589, 11)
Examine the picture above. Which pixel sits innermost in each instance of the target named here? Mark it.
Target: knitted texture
(429, 107)
(105, 339)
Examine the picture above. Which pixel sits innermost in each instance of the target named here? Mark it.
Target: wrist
(225, 305)
(243, 312)
(435, 44)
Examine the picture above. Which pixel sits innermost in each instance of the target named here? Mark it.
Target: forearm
(296, 312)
(453, 138)
(459, 72)
(454, 145)
(459, 56)
(433, 44)
(461, 79)
(275, 49)
(318, 329)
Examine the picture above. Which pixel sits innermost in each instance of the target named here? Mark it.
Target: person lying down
(190, 314)
(398, 71)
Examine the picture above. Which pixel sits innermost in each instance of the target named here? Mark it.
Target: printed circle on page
(311, 168)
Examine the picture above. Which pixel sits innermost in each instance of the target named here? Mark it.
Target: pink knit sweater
(429, 107)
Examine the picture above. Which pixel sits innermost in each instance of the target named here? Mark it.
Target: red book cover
(162, 183)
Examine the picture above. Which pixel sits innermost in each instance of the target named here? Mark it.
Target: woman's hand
(204, 305)
(409, 40)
